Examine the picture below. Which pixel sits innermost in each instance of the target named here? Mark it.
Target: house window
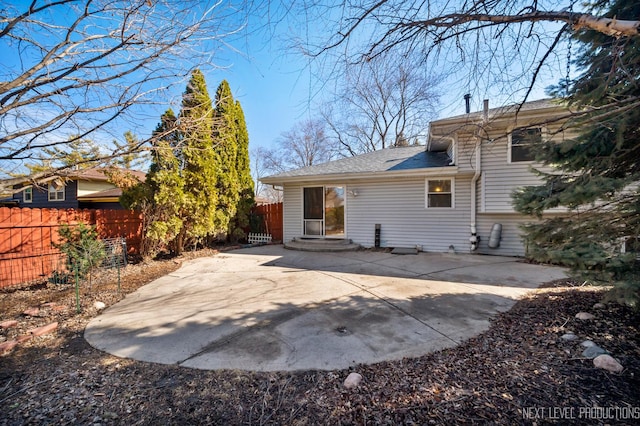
(56, 192)
(439, 193)
(520, 142)
(27, 195)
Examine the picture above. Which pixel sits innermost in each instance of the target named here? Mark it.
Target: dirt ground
(518, 372)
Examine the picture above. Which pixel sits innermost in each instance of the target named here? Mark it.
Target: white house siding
(292, 212)
(500, 178)
(511, 243)
(87, 187)
(398, 205)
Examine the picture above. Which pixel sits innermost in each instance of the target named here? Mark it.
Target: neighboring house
(432, 197)
(74, 189)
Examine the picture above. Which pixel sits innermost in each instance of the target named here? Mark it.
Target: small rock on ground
(593, 352)
(584, 316)
(352, 380)
(587, 344)
(608, 363)
(569, 337)
(8, 324)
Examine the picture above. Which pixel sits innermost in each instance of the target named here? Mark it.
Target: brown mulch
(517, 372)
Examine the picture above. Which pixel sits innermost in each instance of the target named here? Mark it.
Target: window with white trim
(520, 142)
(439, 193)
(56, 192)
(27, 195)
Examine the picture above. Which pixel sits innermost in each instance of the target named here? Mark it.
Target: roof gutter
(431, 171)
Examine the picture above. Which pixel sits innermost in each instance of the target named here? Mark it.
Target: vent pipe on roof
(467, 98)
(485, 111)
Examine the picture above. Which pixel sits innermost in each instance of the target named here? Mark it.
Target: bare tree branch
(81, 67)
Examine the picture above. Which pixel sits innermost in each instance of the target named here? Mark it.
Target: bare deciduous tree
(82, 68)
(259, 158)
(380, 102)
(305, 144)
(490, 48)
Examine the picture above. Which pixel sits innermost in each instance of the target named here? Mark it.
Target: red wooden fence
(27, 238)
(271, 215)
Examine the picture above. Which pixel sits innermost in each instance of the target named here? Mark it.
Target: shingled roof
(384, 161)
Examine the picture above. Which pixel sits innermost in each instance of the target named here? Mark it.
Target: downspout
(475, 238)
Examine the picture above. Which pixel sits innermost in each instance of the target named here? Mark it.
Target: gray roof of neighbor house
(384, 162)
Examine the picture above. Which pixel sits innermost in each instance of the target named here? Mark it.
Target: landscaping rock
(587, 344)
(8, 324)
(99, 306)
(23, 338)
(607, 362)
(569, 337)
(599, 306)
(353, 380)
(593, 352)
(7, 346)
(45, 329)
(584, 316)
(31, 312)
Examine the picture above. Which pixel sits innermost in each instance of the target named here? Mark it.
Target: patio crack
(388, 302)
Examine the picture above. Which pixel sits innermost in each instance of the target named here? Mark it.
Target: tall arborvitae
(598, 172)
(161, 197)
(166, 185)
(199, 161)
(240, 221)
(226, 146)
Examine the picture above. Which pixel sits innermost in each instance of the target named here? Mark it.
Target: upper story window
(56, 192)
(439, 193)
(27, 195)
(520, 142)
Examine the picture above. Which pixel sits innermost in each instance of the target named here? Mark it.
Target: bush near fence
(28, 238)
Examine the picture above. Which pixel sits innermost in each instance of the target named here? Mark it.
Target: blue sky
(274, 84)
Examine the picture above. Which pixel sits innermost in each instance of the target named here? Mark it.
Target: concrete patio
(270, 309)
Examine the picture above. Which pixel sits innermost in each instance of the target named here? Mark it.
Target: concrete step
(321, 244)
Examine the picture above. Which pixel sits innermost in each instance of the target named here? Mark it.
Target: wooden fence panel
(28, 238)
(271, 215)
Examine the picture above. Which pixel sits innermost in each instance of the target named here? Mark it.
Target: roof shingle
(385, 160)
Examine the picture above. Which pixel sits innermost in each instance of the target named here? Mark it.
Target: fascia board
(430, 171)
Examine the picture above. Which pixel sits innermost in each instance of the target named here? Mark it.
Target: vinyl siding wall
(41, 198)
(292, 212)
(87, 187)
(498, 179)
(399, 207)
(511, 243)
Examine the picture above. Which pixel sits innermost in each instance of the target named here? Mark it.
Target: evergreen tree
(199, 161)
(78, 153)
(131, 155)
(246, 199)
(225, 144)
(597, 173)
(161, 197)
(166, 186)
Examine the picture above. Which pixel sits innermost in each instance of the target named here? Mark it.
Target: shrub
(83, 249)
